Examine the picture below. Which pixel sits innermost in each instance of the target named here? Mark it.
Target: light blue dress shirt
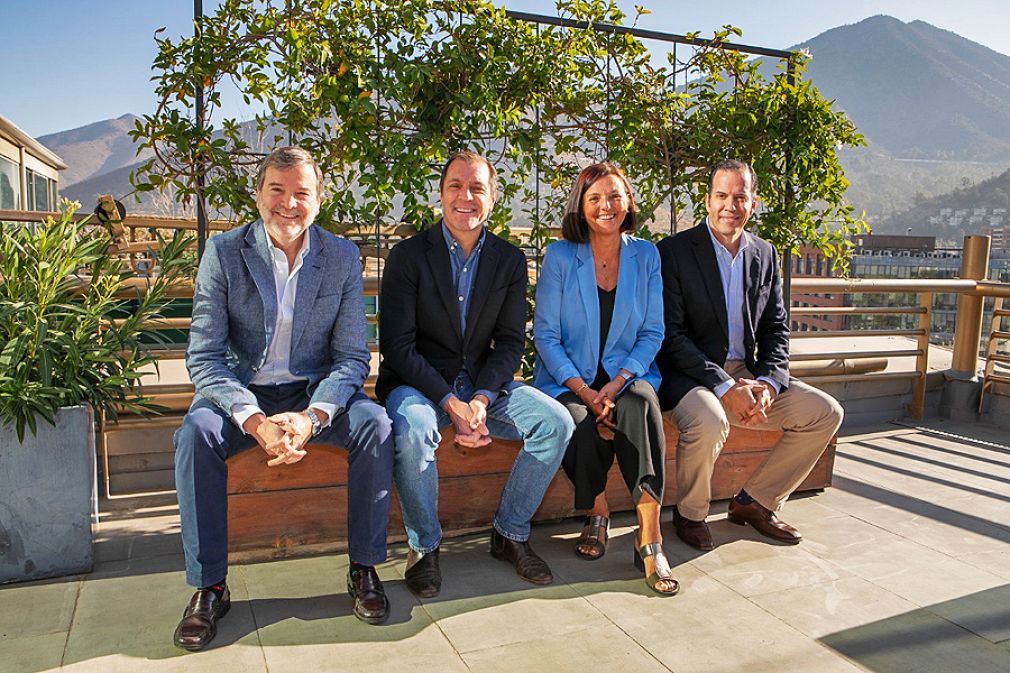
(464, 270)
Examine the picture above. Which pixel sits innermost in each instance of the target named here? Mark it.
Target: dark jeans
(639, 445)
(208, 437)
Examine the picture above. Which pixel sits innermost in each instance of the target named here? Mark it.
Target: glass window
(10, 184)
(42, 195)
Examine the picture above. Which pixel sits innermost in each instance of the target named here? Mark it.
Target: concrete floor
(905, 567)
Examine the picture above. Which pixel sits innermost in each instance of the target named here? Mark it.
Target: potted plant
(71, 342)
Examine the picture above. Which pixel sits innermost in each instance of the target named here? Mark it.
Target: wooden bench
(302, 508)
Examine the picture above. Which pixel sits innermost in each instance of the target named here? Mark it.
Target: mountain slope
(915, 90)
(94, 149)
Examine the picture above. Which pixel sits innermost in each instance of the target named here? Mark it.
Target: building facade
(29, 172)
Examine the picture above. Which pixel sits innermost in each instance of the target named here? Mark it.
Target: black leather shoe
(365, 587)
(528, 565)
(199, 622)
(763, 520)
(693, 533)
(424, 578)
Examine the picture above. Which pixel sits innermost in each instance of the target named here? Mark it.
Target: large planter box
(48, 498)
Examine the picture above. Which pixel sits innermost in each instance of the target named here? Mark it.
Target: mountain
(94, 149)
(916, 91)
(949, 217)
(934, 107)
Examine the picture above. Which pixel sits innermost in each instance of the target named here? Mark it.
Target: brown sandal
(595, 534)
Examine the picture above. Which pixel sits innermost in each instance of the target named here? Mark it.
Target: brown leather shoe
(528, 565)
(764, 521)
(693, 533)
(424, 578)
(198, 625)
(365, 587)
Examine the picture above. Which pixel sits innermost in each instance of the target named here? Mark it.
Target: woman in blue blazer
(598, 326)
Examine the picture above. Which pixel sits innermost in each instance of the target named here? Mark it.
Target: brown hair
(574, 227)
(284, 158)
(470, 158)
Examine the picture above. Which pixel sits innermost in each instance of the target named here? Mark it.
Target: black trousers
(639, 445)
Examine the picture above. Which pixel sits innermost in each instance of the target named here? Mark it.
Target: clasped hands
(601, 404)
(469, 420)
(750, 400)
(282, 436)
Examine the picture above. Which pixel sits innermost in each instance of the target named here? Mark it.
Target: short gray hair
(284, 158)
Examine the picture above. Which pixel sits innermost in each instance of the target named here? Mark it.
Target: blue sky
(68, 63)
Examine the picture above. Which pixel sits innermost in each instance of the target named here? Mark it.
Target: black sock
(358, 567)
(743, 498)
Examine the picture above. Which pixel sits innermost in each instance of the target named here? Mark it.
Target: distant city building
(1000, 239)
(29, 172)
(899, 257)
(811, 263)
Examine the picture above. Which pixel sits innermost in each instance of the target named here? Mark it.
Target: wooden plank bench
(302, 508)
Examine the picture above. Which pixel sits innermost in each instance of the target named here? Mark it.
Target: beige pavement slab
(597, 647)
(912, 571)
(32, 654)
(126, 624)
(986, 613)
(42, 608)
(918, 642)
(709, 628)
(822, 609)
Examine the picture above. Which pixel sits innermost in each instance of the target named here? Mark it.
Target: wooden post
(968, 327)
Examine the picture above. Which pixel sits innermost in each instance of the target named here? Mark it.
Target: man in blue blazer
(278, 355)
(452, 325)
(725, 361)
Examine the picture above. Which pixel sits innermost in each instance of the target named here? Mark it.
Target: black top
(606, 316)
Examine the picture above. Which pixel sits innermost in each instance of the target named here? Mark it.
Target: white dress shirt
(276, 369)
(731, 273)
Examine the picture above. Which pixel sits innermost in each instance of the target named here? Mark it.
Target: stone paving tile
(709, 628)
(996, 562)
(986, 613)
(910, 570)
(126, 624)
(42, 608)
(918, 642)
(32, 654)
(597, 647)
(472, 621)
(755, 566)
(823, 609)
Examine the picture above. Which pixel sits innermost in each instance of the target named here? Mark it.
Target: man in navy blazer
(452, 325)
(278, 355)
(725, 361)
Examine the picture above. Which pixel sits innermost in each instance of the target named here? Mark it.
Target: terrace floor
(905, 567)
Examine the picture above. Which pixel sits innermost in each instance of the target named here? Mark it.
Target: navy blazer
(566, 323)
(235, 314)
(697, 330)
(420, 338)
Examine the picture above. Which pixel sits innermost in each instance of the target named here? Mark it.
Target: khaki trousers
(808, 417)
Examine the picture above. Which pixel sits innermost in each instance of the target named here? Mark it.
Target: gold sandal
(662, 571)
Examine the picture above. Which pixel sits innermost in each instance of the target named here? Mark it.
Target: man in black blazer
(452, 326)
(725, 361)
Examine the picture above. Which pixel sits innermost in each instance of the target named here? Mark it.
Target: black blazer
(697, 330)
(419, 333)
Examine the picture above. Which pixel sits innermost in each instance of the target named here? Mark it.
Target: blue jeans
(542, 424)
(208, 437)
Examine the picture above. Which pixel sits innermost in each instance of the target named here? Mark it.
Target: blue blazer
(566, 322)
(235, 311)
